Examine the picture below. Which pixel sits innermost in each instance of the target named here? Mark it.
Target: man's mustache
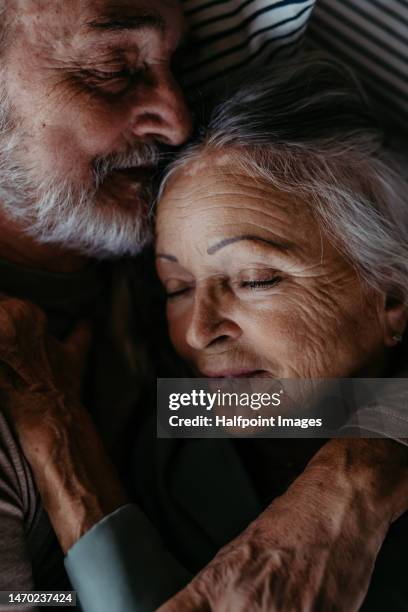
(142, 155)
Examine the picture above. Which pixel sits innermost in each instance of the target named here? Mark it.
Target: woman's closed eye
(176, 289)
(258, 281)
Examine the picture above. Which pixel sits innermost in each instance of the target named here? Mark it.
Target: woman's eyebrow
(276, 244)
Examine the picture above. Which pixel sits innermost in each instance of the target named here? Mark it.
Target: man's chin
(123, 229)
(102, 226)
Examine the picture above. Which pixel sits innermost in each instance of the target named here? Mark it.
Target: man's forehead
(125, 7)
(81, 12)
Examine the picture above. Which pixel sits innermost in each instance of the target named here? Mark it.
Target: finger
(18, 302)
(20, 317)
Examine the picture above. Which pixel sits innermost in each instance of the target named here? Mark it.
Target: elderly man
(86, 93)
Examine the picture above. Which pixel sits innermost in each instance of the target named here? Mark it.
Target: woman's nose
(208, 325)
(161, 112)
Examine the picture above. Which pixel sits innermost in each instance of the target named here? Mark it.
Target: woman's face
(254, 287)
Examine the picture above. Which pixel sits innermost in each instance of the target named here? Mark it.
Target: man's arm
(322, 534)
(115, 557)
(316, 545)
(337, 511)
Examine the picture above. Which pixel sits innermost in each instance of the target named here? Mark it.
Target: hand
(38, 374)
(315, 547)
(40, 380)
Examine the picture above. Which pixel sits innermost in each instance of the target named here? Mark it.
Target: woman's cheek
(177, 319)
(277, 337)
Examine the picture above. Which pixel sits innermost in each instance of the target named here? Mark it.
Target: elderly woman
(282, 238)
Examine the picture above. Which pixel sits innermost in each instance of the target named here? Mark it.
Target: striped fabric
(228, 35)
(372, 37)
(369, 35)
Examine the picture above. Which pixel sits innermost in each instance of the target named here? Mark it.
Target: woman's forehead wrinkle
(225, 204)
(268, 217)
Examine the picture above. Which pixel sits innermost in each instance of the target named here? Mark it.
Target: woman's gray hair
(307, 129)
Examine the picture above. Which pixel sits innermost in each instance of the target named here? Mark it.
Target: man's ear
(394, 314)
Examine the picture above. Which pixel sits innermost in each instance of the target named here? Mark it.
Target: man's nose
(161, 112)
(208, 325)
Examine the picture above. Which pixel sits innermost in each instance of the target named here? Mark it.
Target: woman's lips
(234, 373)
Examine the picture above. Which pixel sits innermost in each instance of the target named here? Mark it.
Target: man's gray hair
(307, 129)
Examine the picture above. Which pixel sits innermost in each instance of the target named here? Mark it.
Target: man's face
(88, 94)
(254, 286)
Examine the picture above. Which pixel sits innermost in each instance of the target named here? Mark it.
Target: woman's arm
(323, 533)
(338, 510)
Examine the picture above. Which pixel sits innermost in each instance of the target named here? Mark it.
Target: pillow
(372, 38)
(228, 35)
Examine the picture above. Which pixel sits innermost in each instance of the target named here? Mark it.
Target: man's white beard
(71, 216)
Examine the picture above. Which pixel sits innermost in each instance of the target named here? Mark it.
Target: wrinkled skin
(312, 549)
(40, 389)
(78, 93)
(239, 306)
(40, 378)
(293, 558)
(68, 112)
(36, 366)
(82, 91)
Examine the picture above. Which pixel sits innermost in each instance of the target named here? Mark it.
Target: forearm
(318, 543)
(78, 484)
(374, 470)
(348, 494)
(115, 560)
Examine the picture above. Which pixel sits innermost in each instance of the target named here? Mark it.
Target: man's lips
(123, 186)
(139, 173)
